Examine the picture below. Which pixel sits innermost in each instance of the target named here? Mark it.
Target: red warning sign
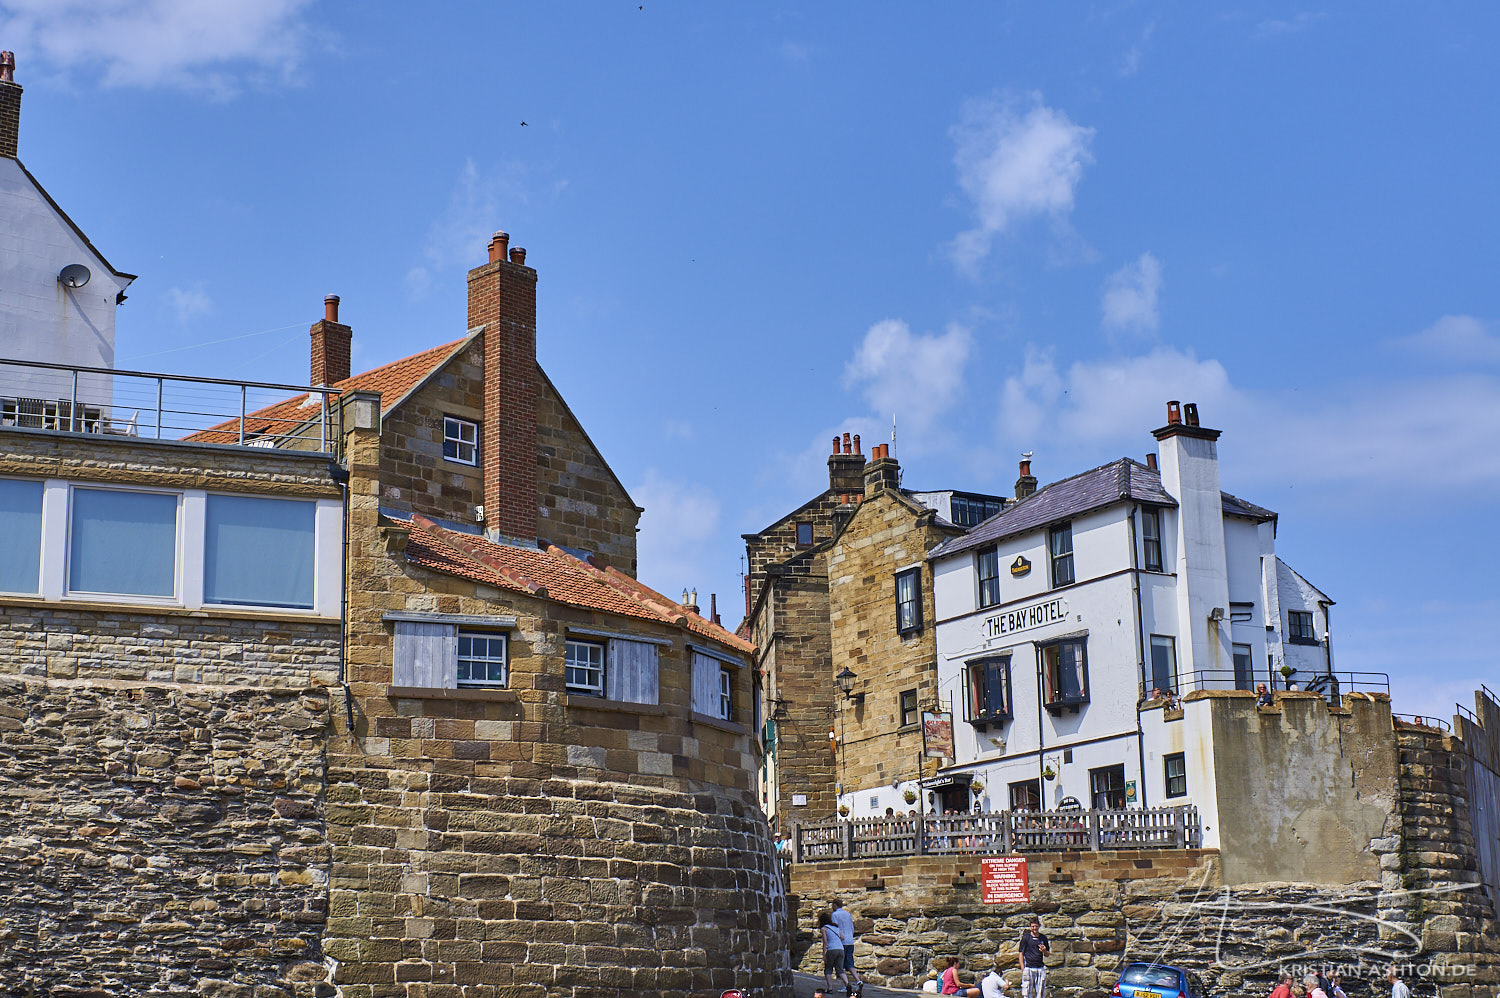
(1002, 880)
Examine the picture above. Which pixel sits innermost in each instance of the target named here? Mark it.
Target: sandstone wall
(160, 840)
(414, 475)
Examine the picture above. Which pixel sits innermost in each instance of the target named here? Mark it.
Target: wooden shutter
(705, 685)
(426, 655)
(631, 673)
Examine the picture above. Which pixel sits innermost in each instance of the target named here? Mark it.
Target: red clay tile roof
(392, 381)
(553, 574)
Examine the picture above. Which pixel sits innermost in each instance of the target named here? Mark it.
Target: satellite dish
(74, 275)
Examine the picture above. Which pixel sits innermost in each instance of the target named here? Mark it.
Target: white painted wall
(1190, 474)
(39, 318)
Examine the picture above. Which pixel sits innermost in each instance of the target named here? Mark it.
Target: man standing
(1034, 950)
(1283, 987)
(1398, 987)
(845, 923)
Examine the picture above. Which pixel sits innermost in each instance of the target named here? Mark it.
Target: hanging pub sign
(1020, 566)
(937, 734)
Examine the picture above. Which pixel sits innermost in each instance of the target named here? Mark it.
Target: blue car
(1157, 980)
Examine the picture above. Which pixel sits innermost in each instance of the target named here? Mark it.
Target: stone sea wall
(161, 841)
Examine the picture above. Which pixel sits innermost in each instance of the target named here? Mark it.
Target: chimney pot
(1151, 461)
(331, 308)
(856, 443)
(846, 444)
(500, 246)
(7, 67)
(518, 257)
(835, 444)
(1190, 413)
(1025, 468)
(1174, 413)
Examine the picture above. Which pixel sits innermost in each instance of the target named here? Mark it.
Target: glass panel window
(123, 543)
(1107, 787)
(1065, 671)
(1176, 774)
(1151, 538)
(908, 601)
(726, 693)
(1300, 629)
(20, 536)
(259, 551)
(584, 668)
(989, 689)
(460, 440)
(988, 565)
(804, 535)
(1060, 542)
(1163, 664)
(969, 511)
(1026, 795)
(908, 708)
(1243, 678)
(481, 659)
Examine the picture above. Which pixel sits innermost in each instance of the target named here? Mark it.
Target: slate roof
(552, 574)
(393, 382)
(1124, 480)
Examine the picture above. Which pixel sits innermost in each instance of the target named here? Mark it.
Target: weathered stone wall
(886, 533)
(161, 840)
(583, 505)
(414, 475)
(85, 641)
(1302, 788)
(526, 841)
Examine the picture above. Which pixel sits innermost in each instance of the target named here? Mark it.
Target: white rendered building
(58, 294)
(1060, 617)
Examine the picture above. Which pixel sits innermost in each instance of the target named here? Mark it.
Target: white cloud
(797, 53)
(1129, 301)
(479, 201)
(1456, 337)
(914, 377)
(209, 46)
(189, 303)
(1276, 27)
(677, 532)
(1016, 160)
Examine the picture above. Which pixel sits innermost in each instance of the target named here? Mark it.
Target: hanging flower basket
(909, 795)
(1049, 774)
(976, 788)
(1286, 672)
(843, 810)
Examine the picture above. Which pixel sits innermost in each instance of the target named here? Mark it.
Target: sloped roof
(1119, 481)
(72, 224)
(553, 574)
(393, 382)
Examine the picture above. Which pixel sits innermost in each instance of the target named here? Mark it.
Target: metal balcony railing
(37, 395)
(999, 832)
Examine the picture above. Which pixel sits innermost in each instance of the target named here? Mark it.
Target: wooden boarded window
(706, 684)
(632, 673)
(426, 655)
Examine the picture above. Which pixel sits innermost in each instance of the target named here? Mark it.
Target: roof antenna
(893, 433)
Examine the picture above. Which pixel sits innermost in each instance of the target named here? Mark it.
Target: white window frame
(583, 689)
(504, 659)
(726, 693)
(190, 553)
(41, 540)
(453, 432)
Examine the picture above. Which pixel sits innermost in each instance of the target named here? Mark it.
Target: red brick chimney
(10, 106)
(330, 345)
(1025, 481)
(502, 299)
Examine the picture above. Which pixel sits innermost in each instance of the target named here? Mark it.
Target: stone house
(789, 618)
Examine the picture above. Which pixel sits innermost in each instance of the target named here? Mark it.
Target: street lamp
(846, 680)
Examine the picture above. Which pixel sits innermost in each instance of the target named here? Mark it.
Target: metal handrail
(121, 406)
(1348, 682)
(1425, 720)
(1003, 832)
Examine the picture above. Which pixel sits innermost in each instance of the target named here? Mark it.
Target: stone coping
(159, 610)
(436, 693)
(583, 702)
(718, 722)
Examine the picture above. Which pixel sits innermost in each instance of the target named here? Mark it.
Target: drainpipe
(1041, 759)
(1333, 684)
(1140, 654)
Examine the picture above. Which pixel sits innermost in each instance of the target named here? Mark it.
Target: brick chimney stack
(882, 472)
(10, 106)
(331, 341)
(846, 467)
(502, 299)
(1026, 483)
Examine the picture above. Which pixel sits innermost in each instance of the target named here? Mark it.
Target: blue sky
(1014, 227)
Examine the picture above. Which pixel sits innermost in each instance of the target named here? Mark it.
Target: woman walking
(833, 951)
